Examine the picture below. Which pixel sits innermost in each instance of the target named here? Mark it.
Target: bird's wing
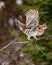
(21, 25)
(32, 18)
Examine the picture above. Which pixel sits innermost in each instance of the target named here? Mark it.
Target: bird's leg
(35, 38)
(28, 38)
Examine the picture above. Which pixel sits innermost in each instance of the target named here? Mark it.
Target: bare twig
(24, 42)
(12, 42)
(8, 44)
(46, 37)
(39, 49)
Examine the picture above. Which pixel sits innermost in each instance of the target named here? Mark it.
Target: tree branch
(8, 44)
(46, 37)
(24, 42)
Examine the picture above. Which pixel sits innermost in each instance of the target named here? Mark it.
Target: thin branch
(9, 44)
(12, 42)
(40, 49)
(24, 42)
(46, 37)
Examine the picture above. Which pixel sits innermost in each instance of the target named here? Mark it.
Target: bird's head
(41, 28)
(44, 26)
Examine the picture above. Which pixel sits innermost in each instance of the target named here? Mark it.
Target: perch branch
(46, 37)
(24, 42)
(12, 42)
(8, 44)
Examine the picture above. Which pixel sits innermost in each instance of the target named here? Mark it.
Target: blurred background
(9, 29)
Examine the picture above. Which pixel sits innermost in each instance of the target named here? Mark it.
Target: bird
(32, 28)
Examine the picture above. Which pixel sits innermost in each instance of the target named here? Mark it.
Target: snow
(19, 2)
(2, 4)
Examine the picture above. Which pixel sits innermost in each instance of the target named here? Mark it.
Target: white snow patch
(19, 2)
(2, 4)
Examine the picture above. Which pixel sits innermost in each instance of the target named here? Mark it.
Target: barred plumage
(32, 27)
(32, 18)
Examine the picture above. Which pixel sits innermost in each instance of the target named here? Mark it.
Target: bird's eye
(39, 28)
